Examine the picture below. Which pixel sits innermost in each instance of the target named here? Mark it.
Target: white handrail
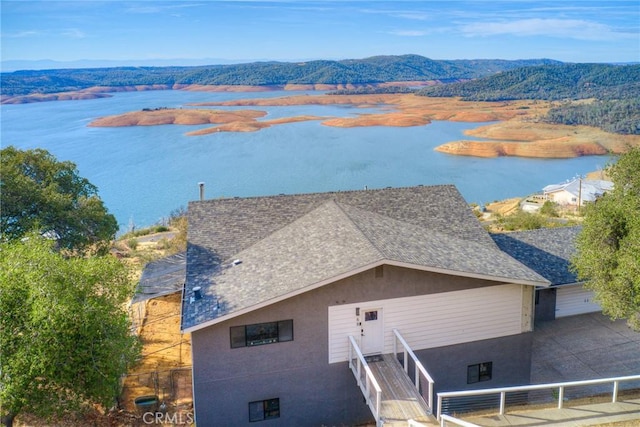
(447, 418)
(418, 367)
(560, 386)
(414, 423)
(370, 380)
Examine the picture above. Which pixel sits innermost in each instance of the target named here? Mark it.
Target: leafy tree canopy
(39, 192)
(608, 254)
(64, 332)
(548, 82)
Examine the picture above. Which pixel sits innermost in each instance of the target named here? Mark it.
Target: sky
(146, 32)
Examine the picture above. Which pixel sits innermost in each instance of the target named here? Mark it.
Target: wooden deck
(400, 400)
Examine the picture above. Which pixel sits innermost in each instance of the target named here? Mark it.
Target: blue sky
(240, 31)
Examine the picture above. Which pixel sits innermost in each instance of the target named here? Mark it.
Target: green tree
(39, 192)
(608, 247)
(65, 337)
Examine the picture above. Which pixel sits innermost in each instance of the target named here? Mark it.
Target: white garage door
(571, 300)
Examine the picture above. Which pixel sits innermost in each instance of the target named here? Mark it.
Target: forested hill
(377, 69)
(549, 82)
(613, 89)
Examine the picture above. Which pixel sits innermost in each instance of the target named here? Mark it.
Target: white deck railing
(444, 419)
(420, 371)
(366, 381)
(559, 386)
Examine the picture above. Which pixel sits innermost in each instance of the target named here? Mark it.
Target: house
(548, 251)
(577, 192)
(276, 286)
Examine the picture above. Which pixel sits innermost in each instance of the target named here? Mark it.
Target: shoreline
(517, 132)
(96, 92)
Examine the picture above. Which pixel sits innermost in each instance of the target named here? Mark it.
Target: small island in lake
(541, 108)
(517, 131)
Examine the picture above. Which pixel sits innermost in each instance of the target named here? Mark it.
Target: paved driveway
(587, 346)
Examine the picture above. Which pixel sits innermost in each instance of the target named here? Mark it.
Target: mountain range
(377, 69)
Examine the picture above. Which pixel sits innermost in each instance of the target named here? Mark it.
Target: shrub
(549, 208)
(132, 243)
(522, 221)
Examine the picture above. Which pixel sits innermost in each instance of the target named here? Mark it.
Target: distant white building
(577, 191)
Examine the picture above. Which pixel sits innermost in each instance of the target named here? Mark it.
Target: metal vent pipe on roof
(201, 184)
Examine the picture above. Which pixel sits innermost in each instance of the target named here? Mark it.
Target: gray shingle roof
(161, 277)
(288, 243)
(547, 251)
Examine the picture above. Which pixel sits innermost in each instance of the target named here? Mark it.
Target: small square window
(264, 410)
(479, 372)
(370, 315)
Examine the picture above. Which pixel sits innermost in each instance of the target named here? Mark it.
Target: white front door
(372, 340)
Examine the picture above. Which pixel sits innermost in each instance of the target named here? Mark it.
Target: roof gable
(288, 244)
(420, 246)
(231, 225)
(292, 258)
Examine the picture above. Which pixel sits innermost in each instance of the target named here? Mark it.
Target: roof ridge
(433, 233)
(357, 227)
(409, 224)
(367, 189)
(304, 217)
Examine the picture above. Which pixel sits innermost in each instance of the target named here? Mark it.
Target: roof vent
(201, 185)
(236, 262)
(197, 292)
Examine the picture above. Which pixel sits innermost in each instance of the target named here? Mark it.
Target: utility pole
(579, 194)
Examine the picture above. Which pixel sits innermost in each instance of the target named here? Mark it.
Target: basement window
(261, 333)
(479, 372)
(264, 410)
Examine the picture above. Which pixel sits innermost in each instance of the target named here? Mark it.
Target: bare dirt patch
(165, 367)
(504, 207)
(177, 116)
(251, 125)
(530, 139)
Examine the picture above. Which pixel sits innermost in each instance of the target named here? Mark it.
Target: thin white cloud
(408, 33)
(73, 33)
(564, 28)
(160, 8)
(23, 34)
(415, 16)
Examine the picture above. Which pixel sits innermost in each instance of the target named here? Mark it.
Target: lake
(144, 173)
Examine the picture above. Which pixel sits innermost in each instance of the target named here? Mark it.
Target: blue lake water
(143, 173)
